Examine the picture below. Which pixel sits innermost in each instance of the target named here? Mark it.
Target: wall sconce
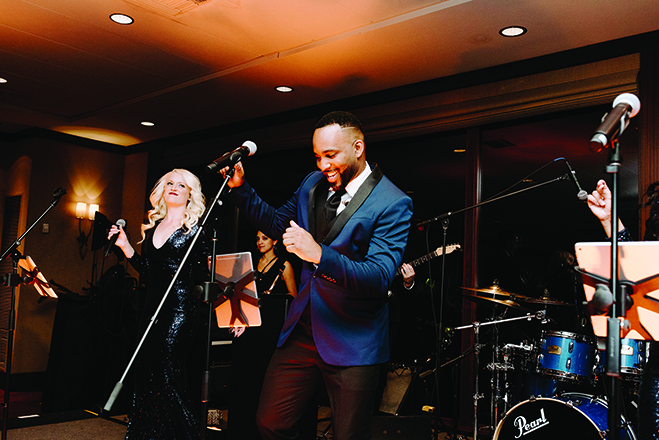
(81, 210)
(81, 213)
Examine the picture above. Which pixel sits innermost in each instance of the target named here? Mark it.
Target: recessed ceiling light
(284, 89)
(459, 150)
(513, 31)
(122, 18)
(2, 80)
(147, 123)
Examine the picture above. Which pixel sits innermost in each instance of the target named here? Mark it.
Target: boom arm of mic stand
(17, 243)
(119, 385)
(477, 205)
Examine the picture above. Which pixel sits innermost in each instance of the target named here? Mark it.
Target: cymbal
(547, 301)
(496, 292)
(492, 302)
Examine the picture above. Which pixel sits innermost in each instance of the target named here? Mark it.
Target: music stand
(637, 271)
(238, 304)
(36, 278)
(12, 279)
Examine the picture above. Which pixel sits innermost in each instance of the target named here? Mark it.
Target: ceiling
(190, 65)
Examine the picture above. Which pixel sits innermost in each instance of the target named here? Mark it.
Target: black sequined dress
(162, 403)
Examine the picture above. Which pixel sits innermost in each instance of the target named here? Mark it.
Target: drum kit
(557, 377)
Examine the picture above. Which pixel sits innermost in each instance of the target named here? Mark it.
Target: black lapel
(314, 214)
(362, 194)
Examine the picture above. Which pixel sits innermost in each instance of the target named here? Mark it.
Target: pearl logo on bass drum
(524, 427)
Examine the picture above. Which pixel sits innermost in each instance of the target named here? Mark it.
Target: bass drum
(572, 416)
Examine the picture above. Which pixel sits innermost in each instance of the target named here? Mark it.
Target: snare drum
(567, 356)
(572, 416)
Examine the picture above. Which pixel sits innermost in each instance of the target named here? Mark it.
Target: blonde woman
(162, 406)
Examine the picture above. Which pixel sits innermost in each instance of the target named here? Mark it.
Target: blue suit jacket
(347, 291)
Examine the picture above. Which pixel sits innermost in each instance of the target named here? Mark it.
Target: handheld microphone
(581, 194)
(121, 222)
(232, 157)
(625, 107)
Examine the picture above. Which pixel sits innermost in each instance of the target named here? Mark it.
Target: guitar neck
(425, 258)
(421, 260)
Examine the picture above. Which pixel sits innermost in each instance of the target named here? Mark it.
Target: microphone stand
(12, 279)
(209, 295)
(445, 221)
(208, 291)
(618, 311)
(439, 337)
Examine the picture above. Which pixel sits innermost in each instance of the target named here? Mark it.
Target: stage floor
(87, 428)
(26, 423)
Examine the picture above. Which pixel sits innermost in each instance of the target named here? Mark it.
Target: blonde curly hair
(193, 211)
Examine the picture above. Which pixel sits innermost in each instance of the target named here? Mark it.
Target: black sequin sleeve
(139, 263)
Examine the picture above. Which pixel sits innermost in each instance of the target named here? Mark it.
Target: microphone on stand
(232, 157)
(57, 194)
(121, 222)
(625, 107)
(581, 194)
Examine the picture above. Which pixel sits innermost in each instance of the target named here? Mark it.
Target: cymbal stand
(499, 369)
(476, 325)
(477, 396)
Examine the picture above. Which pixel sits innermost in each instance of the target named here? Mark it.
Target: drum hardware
(521, 346)
(500, 366)
(499, 384)
(476, 325)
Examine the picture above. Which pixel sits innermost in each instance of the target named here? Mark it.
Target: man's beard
(346, 176)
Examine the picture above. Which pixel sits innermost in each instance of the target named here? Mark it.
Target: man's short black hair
(343, 119)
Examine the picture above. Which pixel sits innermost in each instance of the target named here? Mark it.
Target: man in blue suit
(348, 224)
